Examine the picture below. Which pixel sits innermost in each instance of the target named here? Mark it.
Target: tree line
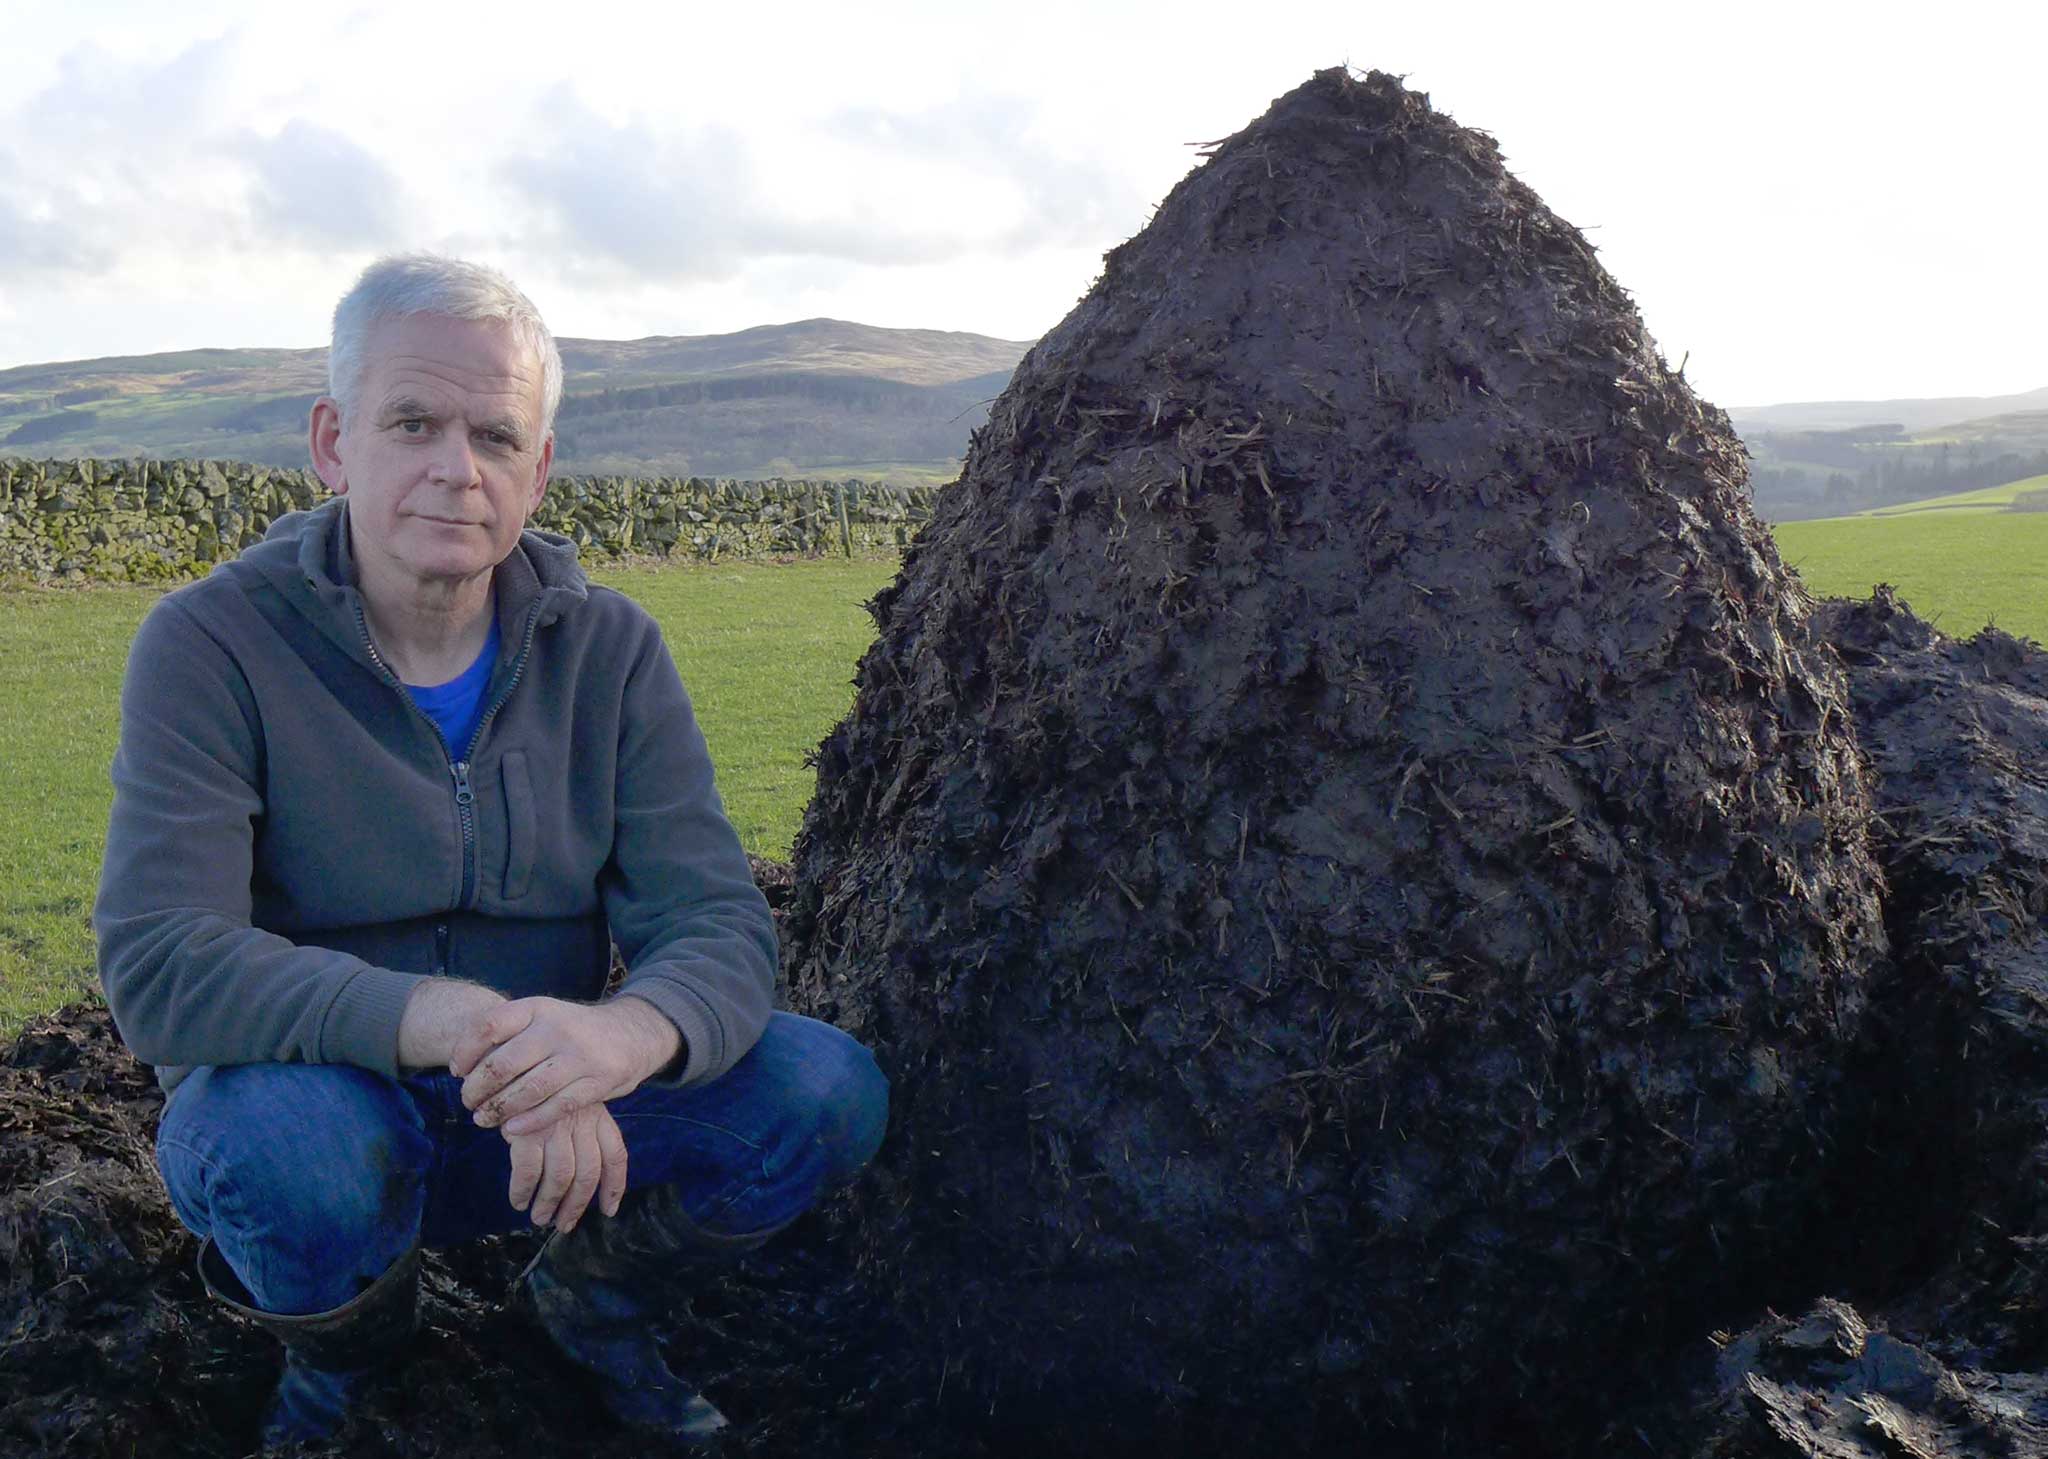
(1833, 473)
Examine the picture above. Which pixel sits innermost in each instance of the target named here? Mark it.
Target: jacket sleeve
(189, 980)
(696, 933)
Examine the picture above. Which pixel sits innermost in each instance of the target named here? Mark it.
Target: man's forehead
(478, 344)
(437, 355)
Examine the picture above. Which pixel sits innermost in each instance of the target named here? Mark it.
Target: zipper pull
(463, 794)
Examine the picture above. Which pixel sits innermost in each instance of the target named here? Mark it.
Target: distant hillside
(828, 398)
(2029, 495)
(1836, 458)
(1909, 415)
(2017, 428)
(808, 347)
(818, 397)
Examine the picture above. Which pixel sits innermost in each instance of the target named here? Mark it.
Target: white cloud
(97, 159)
(1806, 205)
(315, 186)
(862, 186)
(38, 233)
(665, 204)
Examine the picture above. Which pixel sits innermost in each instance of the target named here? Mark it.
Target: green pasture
(768, 651)
(1990, 499)
(61, 653)
(1961, 562)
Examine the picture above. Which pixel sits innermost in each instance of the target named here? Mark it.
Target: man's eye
(413, 426)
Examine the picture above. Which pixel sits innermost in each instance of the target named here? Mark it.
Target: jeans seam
(730, 1195)
(710, 1219)
(223, 1200)
(228, 1207)
(731, 1134)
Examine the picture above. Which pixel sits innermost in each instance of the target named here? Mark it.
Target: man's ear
(540, 473)
(323, 434)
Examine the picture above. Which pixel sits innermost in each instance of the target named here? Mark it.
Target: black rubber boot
(328, 1355)
(594, 1290)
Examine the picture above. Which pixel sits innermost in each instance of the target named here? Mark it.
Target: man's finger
(558, 1169)
(612, 1147)
(500, 1067)
(535, 1087)
(507, 1062)
(564, 1102)
(503, 1021)
(526, 1164)
(589, 1166)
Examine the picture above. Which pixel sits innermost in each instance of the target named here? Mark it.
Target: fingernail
(568, 1228)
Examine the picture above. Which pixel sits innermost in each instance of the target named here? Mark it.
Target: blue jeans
(313, 1178)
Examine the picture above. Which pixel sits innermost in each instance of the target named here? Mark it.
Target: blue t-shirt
(457, 705)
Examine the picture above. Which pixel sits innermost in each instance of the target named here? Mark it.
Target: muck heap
(1944, 1207)
(1344, 843)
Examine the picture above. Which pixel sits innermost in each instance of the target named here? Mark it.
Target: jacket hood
(307, 559)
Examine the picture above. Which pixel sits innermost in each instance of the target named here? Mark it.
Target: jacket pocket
(520, 831)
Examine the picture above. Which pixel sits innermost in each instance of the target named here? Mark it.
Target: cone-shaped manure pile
(1343, 844)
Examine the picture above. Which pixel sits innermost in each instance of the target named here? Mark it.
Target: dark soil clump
(1954, 1063)
(774, 878)
(1345, 844)
(109, 1346)
(91, 1302)
(1941, 1202)
(1827, 1384)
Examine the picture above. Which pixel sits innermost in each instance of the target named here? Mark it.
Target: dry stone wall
(155, 521)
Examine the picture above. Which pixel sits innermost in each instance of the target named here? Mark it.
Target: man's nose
(454, 461)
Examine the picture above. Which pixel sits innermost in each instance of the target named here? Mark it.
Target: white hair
(426, 283)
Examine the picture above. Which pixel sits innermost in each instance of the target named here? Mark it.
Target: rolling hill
(1911, 416)
(2027, 495)
(817, 397)
(1836, 458)
(825, 397)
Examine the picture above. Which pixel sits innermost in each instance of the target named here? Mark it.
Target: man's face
(443, 458)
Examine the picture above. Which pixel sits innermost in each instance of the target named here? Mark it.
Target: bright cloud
(316, 187)
(1806, 205)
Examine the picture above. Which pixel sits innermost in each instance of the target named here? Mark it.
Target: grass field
(768, 652)
(61, 653)
(1960, 561)
(1990, 499)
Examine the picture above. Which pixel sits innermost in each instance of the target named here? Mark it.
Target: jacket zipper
(458, 770)
(465, 799)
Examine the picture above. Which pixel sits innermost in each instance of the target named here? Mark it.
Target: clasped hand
(540, 1070)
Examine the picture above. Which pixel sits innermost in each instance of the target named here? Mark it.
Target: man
(389, 787)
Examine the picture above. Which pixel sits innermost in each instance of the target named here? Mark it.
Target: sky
(1807, 200)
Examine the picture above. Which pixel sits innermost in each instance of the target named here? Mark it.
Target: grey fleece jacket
(293, 847)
